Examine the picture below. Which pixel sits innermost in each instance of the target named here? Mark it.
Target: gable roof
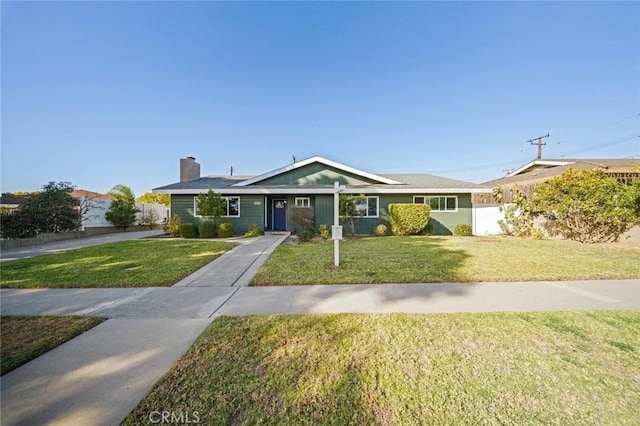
(542, 170)
(321, 160)
(597, 162)
(370, 183)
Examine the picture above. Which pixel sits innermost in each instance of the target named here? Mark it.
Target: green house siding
(442, 222)
(251, 211)
(324, 210)
(315, 174)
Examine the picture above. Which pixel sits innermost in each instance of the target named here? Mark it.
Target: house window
(304, 202)
(231, 207)
(438, 204)
(369, 207)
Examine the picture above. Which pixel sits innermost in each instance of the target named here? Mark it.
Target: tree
(123, 210)
(349, 209)
(211, 206)
(87, 206)
(52, 209)
(151, 198)
(149, 218)
(587, 205)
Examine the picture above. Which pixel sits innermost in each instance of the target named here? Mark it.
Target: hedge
(408, 219)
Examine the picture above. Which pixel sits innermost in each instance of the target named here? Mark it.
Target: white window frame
(303, 202)
(226, 199)
(366, 209)
(426, 199)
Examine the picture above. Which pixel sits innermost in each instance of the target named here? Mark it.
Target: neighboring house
(264, 200)
(98, 204)
(538, 171)
(9, 201)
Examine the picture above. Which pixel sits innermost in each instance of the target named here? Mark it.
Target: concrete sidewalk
(41, 249)
(98, 377)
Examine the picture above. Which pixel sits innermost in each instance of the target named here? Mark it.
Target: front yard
(447, 259)
(138, 263)
(497, 368)
(24, 338)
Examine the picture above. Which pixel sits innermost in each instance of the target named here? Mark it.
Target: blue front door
(279, 214)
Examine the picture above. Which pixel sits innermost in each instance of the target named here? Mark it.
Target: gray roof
(421, 181)
(207, 182)
(384, 183)
(424, 180)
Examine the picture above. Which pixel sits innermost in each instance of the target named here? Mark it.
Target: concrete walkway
(39, 250)
(99, 377)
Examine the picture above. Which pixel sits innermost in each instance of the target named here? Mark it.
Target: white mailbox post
(336, 229)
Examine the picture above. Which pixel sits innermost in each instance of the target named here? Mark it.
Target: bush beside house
(408, 219)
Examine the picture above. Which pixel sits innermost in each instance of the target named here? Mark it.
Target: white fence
(485, 219)
(95, 217)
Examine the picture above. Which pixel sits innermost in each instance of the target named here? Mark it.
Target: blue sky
(111, 93)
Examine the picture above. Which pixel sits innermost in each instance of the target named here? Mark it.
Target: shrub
(302, 216)
(324, 231)
(463, 230)
(225, 230)
(253, 231)
(408, 219)
(173, 226)
(586, 205)
(15, 224)
(188, 230)
(207, 229)
(307, 235)
(380, 230)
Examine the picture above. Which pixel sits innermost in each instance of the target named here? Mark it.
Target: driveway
(40, 249)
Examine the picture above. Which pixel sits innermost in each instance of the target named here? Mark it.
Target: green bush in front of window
(408, 219)
(225, 230)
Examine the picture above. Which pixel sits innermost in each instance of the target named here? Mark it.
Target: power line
(602, 145)
(598, 128)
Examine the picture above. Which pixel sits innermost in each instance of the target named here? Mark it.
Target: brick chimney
(189, 169)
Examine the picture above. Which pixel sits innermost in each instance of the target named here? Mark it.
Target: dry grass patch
(495, 368)
(24, 338)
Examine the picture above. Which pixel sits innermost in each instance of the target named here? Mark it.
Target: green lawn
(122, 264)
(24, 338)
(447, 259)
(398, 369)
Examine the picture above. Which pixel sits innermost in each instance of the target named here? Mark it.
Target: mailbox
(336, 232)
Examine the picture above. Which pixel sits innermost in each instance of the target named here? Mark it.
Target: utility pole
(539, 143)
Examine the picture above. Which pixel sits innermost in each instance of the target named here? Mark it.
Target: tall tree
(123, 210)
(52, 209)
